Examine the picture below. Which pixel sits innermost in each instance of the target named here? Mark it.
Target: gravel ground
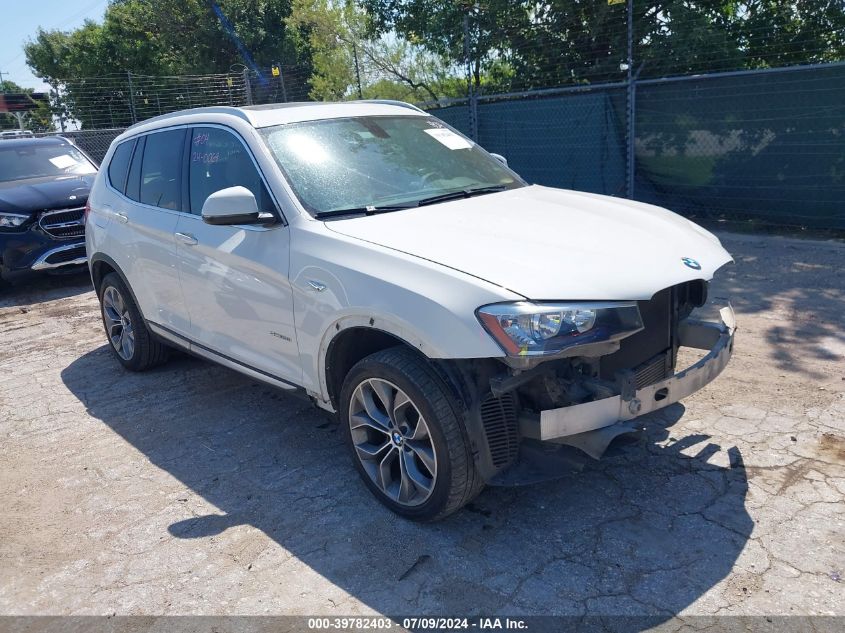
(193, 490)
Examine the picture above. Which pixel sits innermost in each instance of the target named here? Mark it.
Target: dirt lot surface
(193, 490)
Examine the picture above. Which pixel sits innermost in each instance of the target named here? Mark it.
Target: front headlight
(538, 329)
(12, 220)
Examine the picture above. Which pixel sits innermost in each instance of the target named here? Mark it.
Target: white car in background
(369, 256)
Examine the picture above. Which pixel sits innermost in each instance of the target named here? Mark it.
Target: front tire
(406, 437)
(129, 337)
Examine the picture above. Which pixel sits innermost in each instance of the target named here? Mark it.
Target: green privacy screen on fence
(575, 141)
(766, 145)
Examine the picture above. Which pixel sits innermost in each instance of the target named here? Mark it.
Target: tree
(160, 38)
(528, 45)
(470, 35)
(781, 32)
(350, 62)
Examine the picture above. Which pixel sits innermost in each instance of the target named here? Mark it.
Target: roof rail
(205, 110)
(394, 102)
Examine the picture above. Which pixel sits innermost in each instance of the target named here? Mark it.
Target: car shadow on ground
(43, 288)
(644, 532)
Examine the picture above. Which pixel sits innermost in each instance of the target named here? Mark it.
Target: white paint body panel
(237, 293)
(550, 244)
(140, 240)
(418, 274)
(428, 305)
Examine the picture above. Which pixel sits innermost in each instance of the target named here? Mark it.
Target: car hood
(38, 194)
(551, 244)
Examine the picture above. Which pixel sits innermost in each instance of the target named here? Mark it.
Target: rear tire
(406, 436)
(129, 337)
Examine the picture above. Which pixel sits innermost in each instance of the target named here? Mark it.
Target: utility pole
(1, 81)
(357, 71)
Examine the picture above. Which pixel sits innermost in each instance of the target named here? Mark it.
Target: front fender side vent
(499, 417)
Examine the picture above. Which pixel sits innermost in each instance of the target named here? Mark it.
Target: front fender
(342, 282)
(388, 324)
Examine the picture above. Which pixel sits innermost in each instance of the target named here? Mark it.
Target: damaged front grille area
(638, 352)
(650, 354)
(518, 399)
(499, 418)
(654, 370)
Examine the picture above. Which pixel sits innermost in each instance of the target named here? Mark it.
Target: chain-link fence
(95, 143)
(116, 101)
(277, 84)
(121, 100)
(767, 145)
(103, 107)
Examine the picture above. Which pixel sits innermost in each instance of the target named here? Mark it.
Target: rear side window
(161, 169)
(119, 165)
(219, 160)
(133, 184)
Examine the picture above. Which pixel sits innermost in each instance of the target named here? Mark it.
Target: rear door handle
(122, 217)
(186, 238)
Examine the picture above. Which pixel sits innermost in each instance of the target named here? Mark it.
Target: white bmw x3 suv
(367, 255)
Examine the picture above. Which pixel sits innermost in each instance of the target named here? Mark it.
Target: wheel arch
(352, 340)
(101, 265)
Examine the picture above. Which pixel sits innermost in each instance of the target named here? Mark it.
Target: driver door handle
(121, 217)
(186, 238)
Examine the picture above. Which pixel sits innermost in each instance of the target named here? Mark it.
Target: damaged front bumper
(591, 426)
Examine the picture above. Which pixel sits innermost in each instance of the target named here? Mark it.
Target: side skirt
(170, 337)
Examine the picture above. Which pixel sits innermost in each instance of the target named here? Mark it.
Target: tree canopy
(351, 61)
(531, 45)
(416, 50)
(170, 37)
(160, 38)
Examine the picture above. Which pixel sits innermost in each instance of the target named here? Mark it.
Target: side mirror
(500, 158)
(233, 205)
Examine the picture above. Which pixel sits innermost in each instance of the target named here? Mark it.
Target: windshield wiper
(443, 197)
(461, 193)
(368, 210)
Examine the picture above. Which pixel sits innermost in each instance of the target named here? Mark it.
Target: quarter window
(219, 160)
(133, 182)
(161, 169)
(119, 165)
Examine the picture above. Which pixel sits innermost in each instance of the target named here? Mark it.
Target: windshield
(20, 162)
(361, 162)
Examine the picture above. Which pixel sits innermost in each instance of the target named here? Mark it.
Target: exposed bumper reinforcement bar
(581, 418)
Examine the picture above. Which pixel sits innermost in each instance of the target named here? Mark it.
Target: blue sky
(20, 21)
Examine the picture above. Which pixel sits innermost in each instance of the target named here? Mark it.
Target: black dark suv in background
(44, 185)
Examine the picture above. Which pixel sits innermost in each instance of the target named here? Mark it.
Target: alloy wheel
(392, 441)
(118, 323)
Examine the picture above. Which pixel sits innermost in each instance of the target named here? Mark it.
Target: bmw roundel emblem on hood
(689, 262)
